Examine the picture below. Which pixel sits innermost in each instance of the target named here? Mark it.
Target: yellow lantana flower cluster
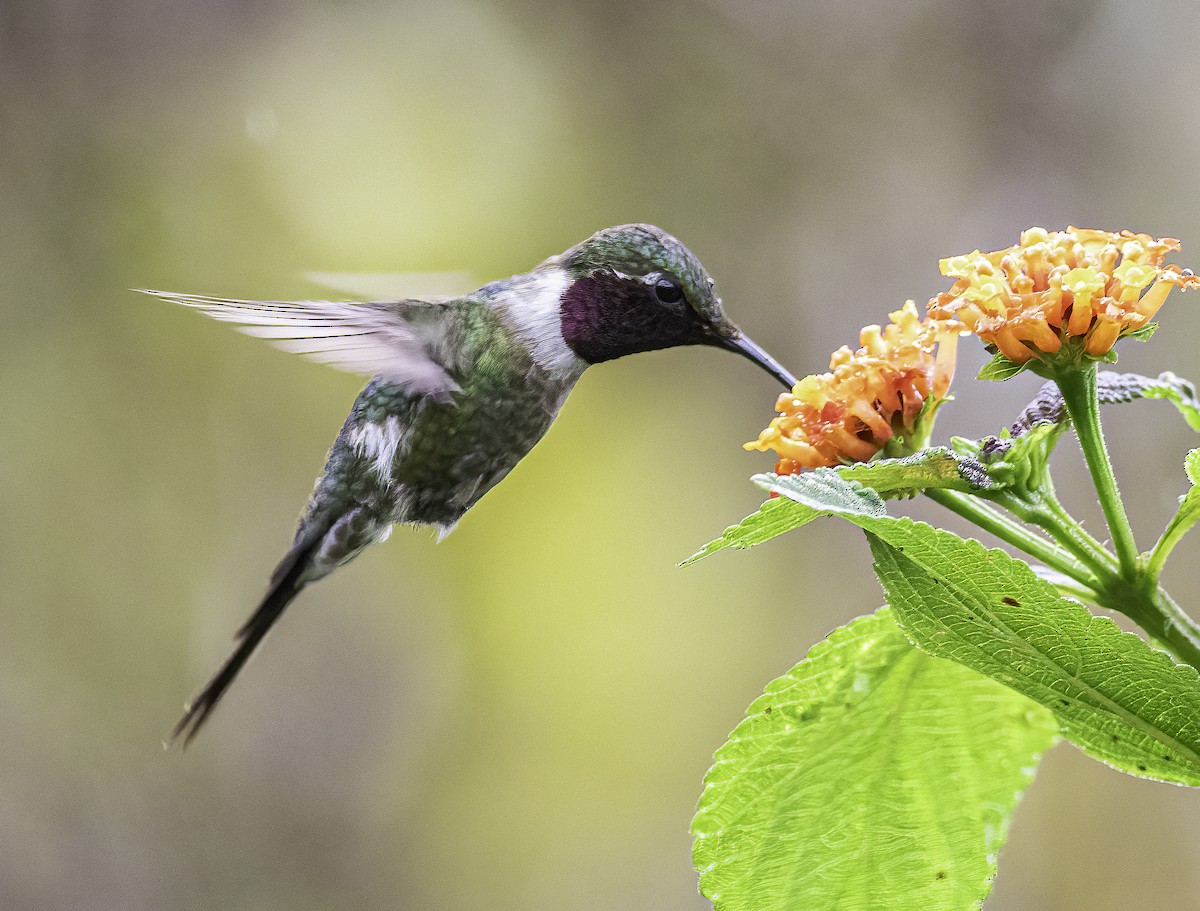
(869, 395)
(1057, 286)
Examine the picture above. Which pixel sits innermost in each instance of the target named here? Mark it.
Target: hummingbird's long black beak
(748, 349)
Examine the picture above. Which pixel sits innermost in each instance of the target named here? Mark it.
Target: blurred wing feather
(374, 339)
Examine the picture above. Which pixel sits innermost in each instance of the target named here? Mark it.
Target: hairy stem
(1158, 614)
(1172, 535)
(1078, 387)
(1041, 508)
(995, 522)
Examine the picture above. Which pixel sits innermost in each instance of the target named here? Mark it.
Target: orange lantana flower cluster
(1056, 286)
(869, 395)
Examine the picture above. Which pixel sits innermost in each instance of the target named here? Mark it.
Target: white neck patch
(532, 307)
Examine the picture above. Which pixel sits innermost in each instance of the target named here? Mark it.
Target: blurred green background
(520, 717)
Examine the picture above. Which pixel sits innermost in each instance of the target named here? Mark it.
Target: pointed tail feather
(286, 583)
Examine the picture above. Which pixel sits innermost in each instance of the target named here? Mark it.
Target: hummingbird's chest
(428, 462)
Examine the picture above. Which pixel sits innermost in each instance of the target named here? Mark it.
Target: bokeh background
(520, 717)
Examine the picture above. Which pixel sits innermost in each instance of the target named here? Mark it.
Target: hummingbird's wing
(374, 339)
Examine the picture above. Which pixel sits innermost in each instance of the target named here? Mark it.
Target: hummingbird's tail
(286, 582)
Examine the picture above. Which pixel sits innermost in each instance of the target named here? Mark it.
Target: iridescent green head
(638, 251)
(637, 288)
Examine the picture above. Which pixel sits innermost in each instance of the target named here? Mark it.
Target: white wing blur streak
(373, 339)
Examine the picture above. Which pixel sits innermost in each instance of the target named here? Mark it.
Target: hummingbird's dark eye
(667, 289)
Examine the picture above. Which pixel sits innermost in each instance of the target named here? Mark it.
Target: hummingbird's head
(636, 288)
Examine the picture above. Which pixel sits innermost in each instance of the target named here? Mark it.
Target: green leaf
(809, 496)
(871, 776)
(824, 490)
(1000, 368)
(1143, 334)
(1114, 696)
(1187, 515)
(773, 518)
(935, 467)
(1019, 460)
(1178, 392)
(853, 488)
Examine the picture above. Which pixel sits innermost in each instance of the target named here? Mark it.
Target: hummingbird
(461, 389)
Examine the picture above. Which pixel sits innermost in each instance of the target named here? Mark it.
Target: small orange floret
(1080, 283)
(868, 397)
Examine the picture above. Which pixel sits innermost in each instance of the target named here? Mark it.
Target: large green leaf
(1114, 696)
(871, 776)
(1118, 699)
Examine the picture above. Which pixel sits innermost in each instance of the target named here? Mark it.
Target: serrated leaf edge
(1161, 657)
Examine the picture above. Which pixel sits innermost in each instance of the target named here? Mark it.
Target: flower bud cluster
(885, 388)
(1080, 285)
(1056, 298)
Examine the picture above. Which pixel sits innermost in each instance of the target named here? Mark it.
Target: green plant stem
(1041, 508)
(1046, 498)
(1078, 387)
(1158, 614)
(1072, 589)
(1175, 628)
(1143, 601)
(1171, 536)
(995, 522)
(1162, 550)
